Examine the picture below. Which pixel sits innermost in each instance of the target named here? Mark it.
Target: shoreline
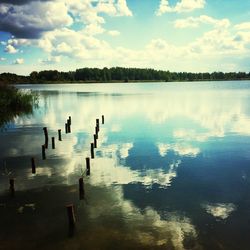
(127, 82)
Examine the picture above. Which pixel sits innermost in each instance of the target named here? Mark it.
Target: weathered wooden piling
(33, 165)
(92, 151)
(87, 166)
(59, 134)
(97, 122)
(71, 215)
(12, 186)
(102, 119)
(69, 128)
(53, 142)
(66, 128)
(69, 125)
(81, 189)
(43, 152)
(69, 120)
(96, 132)
(45, 130)
(95, 141)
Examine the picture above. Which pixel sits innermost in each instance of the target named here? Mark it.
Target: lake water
(171, 168)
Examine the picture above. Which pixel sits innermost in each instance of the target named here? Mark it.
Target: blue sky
(175, 35)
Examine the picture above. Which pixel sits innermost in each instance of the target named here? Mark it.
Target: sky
(175, 35)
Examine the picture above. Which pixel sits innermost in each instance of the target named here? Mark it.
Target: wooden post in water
(66, 128)
(88, 166)
(12, 187)
(43, 152)
(92, 151)
(97, 125)
(102, 119)
(96, 132)
(59, 134)
(33, 165)
(69, 124)
(71, 215)
(95, 141)
(81, 188)
(69, 120)
(45, 130)
(53, 142)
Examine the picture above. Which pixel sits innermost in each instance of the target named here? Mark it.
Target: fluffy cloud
(118, 8)
(31, 20)
(74, 44)
(19, 61)
(181, 6)
(220, 210)
(180, 149)
(243, 26)
(93, 29)
(197, 21)
(10, 49)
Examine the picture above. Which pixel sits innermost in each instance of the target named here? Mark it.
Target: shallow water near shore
(171, 168)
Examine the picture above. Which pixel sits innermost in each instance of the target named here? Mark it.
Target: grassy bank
(14, 102)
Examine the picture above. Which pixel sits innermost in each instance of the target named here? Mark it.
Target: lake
(171, 168)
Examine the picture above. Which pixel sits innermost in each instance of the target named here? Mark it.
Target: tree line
(119, 74)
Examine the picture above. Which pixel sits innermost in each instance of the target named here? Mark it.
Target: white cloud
(2, 59)
(62, 48)
(169, 232)
(74, 44)
(93, 29)
(181, 6)
(220, 210)
(195, 22)
(114, 8)
(113, 32)
(18, 42)
(163, 149)
(243, 26)
(10, 49)
(19, 61)
(179, 148)
(123, 9)
(161, 177)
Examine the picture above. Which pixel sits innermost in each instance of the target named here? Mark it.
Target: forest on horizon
(119, 74)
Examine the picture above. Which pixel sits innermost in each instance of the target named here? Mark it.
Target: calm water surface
(171, 170)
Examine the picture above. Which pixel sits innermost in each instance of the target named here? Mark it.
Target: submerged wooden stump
(66, 128)
(71, 215)
(33, 165)
(95, 141)
(45, 130)
(92, 150)
(87, 166)
(96, 132)
(59, 134)
(43, 152)
(81, 189)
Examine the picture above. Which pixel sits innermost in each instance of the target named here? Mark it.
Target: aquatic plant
(14, 102)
